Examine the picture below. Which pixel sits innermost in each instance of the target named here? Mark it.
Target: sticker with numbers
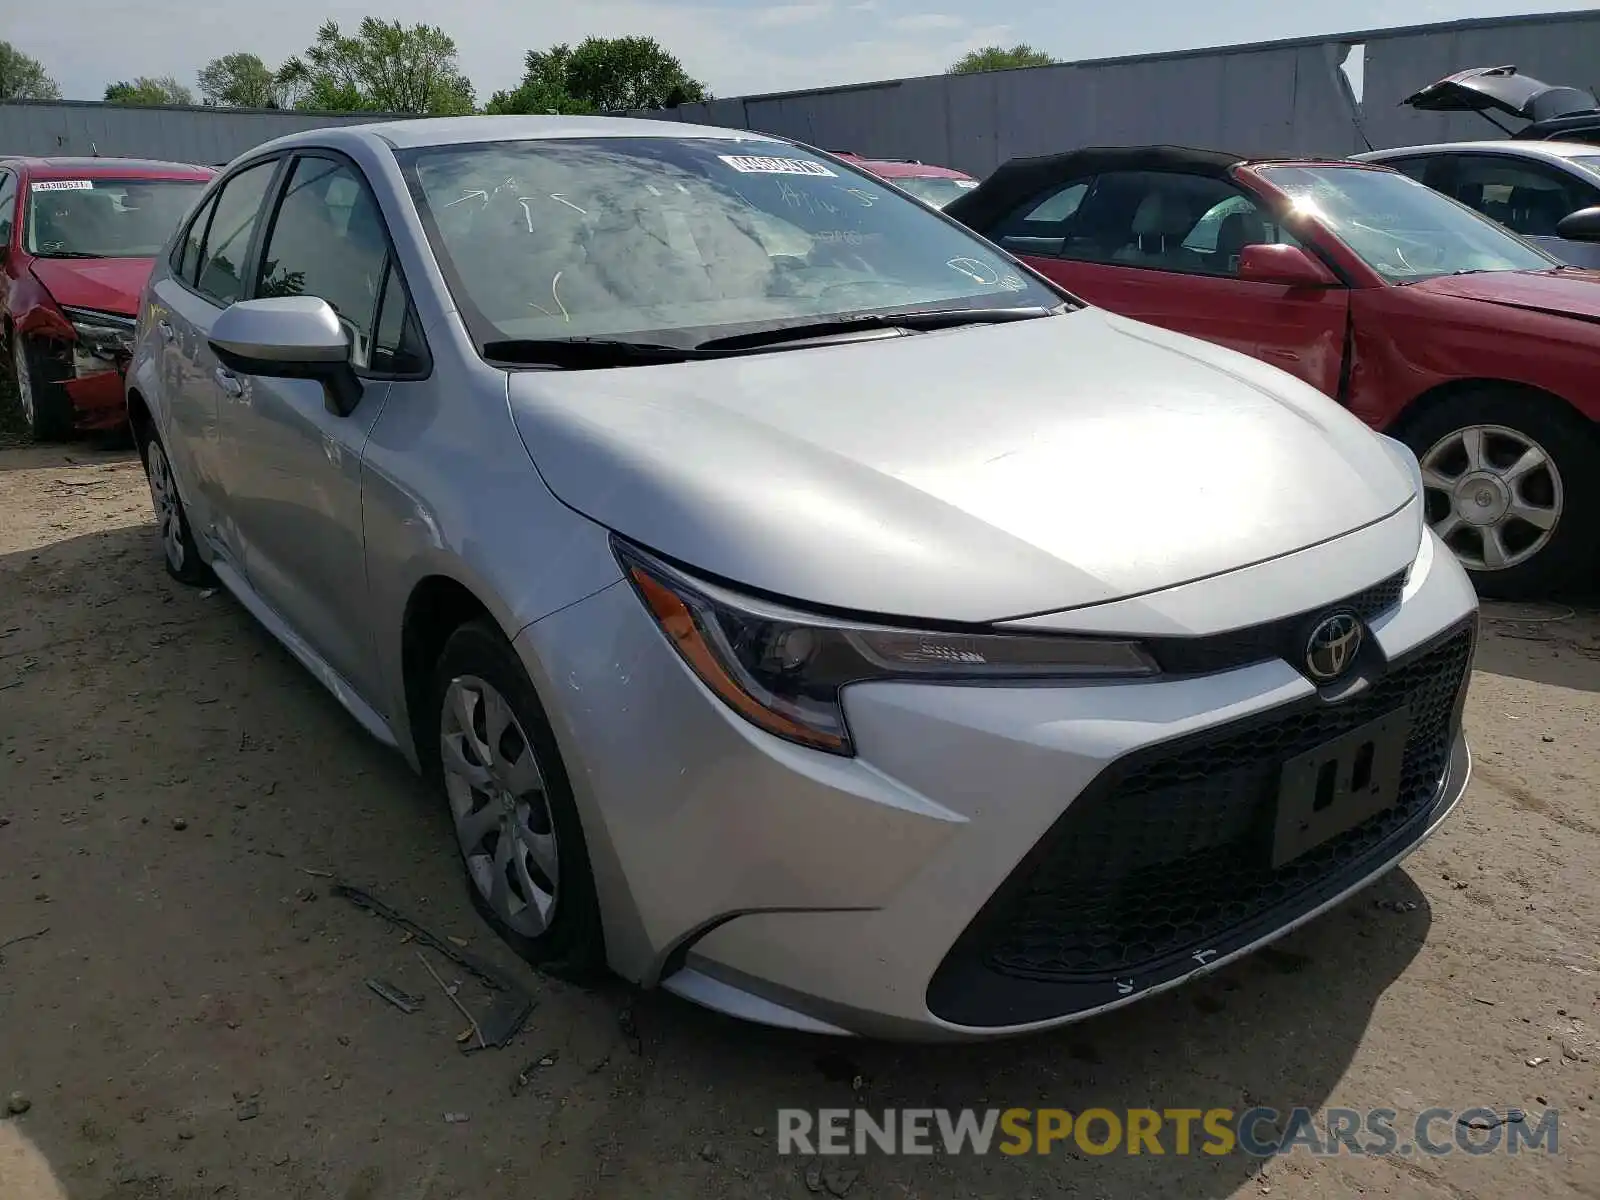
(757, 164)
(63, 185)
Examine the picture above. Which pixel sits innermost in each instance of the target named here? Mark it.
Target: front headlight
(103, 341)
(784, 671)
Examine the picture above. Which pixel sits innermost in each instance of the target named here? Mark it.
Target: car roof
(423, 132)
(1544, 150)
(901, 168)
(1022, 178)
(108, 168)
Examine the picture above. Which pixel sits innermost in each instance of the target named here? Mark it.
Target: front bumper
(997, 859)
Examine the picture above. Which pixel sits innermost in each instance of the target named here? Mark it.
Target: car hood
(106, 284)
(1567, 293)
(1503, 90)
(967, 475)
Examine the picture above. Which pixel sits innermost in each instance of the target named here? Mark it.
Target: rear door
(1164, 247)
(207, 275)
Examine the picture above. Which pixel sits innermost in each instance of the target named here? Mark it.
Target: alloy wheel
(164, 499)
(1493, 494)
(497, 799)
(24, 377)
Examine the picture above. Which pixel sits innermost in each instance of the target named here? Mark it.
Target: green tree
(543, 88)
(23, 77)
(241, 80)
(384, 66)
(600, 75)
(149, 90)
(998, 58)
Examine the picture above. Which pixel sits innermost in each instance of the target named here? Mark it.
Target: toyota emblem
(1332, 647)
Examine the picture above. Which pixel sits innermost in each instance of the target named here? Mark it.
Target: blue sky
(736, 46)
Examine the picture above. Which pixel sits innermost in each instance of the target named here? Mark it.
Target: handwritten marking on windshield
(974, 270)
(479, 194)
(867, 198)
(560, 199)
(565, 315)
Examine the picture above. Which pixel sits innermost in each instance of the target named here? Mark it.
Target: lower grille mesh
(1174, 853)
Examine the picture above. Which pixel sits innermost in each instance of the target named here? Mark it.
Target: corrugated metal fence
(180, 134)
(1288, 97)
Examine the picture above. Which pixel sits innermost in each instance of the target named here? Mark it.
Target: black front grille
(1283, 638)
(1168, 853)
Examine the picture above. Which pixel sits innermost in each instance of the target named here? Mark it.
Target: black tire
(1565, 562)
(572, 947)
(178, 549)
(46, 407)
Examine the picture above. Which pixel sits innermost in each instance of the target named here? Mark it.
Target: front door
(291, 465)
(1163, 247)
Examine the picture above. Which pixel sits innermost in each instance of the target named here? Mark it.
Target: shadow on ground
(179, 787)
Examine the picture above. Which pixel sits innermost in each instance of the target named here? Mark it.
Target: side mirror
(1581, 226)
(289, 337)
(1286, 266)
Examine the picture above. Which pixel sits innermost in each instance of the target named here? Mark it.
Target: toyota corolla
(799, 604)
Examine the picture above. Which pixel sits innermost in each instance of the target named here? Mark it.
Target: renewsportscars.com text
(1260, 1132)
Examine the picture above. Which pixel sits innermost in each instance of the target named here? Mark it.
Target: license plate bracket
(1336, 786)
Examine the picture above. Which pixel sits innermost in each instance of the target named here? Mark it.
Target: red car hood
(1563, 293)
(107, 284)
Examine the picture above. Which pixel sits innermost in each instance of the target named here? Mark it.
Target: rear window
(105, 218)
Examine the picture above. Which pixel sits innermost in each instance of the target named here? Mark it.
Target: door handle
(166, 330)
(228, 381)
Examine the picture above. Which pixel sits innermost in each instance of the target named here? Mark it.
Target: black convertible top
(1022, 178)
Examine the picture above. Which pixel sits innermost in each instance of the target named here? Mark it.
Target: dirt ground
(192, 1021)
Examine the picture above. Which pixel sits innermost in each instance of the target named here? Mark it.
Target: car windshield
(1401, 229)
(686, 239)
(935, 190)
(106, 218)
(1588, 162)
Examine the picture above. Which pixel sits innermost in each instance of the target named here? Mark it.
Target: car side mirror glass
(1286, 266)
(289, 337)
(1581, 226)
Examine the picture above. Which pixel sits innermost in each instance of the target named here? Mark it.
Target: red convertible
(1430, 322)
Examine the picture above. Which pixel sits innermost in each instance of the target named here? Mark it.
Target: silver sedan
(799, 604)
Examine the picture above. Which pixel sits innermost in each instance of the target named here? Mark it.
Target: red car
(1427, 320)
(932, 185)
(77, 238)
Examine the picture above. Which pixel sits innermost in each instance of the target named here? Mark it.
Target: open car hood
(1501, 89)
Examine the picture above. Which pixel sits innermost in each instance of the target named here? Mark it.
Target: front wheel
(516, 822)
(1512, 486)
(46, 407)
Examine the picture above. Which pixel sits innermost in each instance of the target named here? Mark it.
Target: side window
(328, 240)
(1417, 168)
(186, 254)
(396, 345)
(1039, 226)
(8, 206)
(1169, 221)
(233, 221)
(1527, 198)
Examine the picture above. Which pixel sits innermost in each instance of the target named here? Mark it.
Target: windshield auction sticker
(63, 185)
(755, 164)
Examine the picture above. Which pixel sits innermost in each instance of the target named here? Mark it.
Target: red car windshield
(1401, 229)
(935, 190)
(105, 218)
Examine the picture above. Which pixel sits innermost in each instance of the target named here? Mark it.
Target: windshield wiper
(586, 352)
(923, 319)
(69, 254)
